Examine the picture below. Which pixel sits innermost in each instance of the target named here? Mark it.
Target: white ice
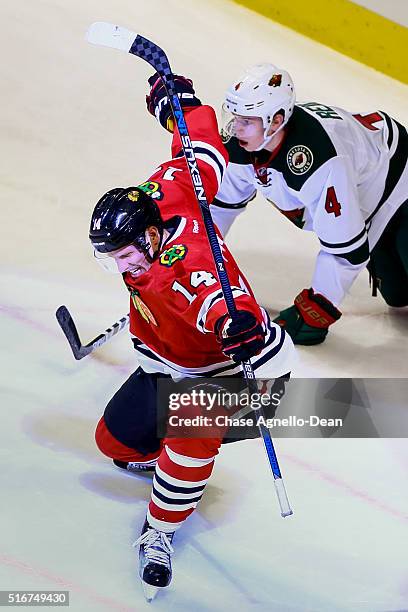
(73, 124)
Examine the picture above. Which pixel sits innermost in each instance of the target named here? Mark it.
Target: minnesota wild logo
(299, 159)
(141, 307)
(173, 254)
(275, 80)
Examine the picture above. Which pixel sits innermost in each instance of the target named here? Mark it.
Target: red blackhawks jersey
(175, 305)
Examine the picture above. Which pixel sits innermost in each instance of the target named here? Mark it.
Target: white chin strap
(265, 142)
(269, 138)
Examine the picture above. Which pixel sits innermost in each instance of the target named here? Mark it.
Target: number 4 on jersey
(332, 204)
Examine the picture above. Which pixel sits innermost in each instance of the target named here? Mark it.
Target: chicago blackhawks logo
(173, 254)
(153, 189)
(142, 309)
(133, 196)
(299, 159)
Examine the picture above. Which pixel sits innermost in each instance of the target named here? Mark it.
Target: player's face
(130, 259)
(249, 131)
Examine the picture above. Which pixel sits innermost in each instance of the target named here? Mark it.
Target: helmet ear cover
(143, 245)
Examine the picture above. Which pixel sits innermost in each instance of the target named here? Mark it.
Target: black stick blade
(152, 54)
(67, 325)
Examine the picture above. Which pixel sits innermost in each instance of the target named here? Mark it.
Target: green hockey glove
(308, 320)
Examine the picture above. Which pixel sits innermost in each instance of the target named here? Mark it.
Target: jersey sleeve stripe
(342, 245)
(209, 302)
(398, 163)
(208, 160)
(242, 204)
(390, 126)
(211, 156)
(206, 147)
(151, 362)
(358, 256)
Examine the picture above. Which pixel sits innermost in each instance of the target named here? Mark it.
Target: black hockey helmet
(121, 217)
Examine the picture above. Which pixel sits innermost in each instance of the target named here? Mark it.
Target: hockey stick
(116, 37)
(80, 350)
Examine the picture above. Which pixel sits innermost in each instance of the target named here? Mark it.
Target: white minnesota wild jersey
(340, 175)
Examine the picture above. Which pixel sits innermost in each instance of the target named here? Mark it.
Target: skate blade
(149, 591)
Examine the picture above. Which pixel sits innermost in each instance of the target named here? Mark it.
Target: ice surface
(74, 124)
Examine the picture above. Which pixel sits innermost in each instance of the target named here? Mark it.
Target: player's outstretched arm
(203, 141)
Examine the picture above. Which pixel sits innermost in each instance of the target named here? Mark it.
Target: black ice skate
(134, 467)
(154, 559)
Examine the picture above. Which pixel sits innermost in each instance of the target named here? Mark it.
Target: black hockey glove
(241, 338)
(308, 320)
(158, 104)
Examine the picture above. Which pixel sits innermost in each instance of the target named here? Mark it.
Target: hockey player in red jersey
(342, 176)
(153, 234)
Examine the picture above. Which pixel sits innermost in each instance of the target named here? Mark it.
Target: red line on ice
(63, 583)
(341, 484)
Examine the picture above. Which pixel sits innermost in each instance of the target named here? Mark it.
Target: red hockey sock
(178, 484)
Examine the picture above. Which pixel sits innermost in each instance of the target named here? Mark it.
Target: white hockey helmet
(262, 91)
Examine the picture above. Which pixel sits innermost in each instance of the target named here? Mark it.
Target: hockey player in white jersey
(343, 176)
